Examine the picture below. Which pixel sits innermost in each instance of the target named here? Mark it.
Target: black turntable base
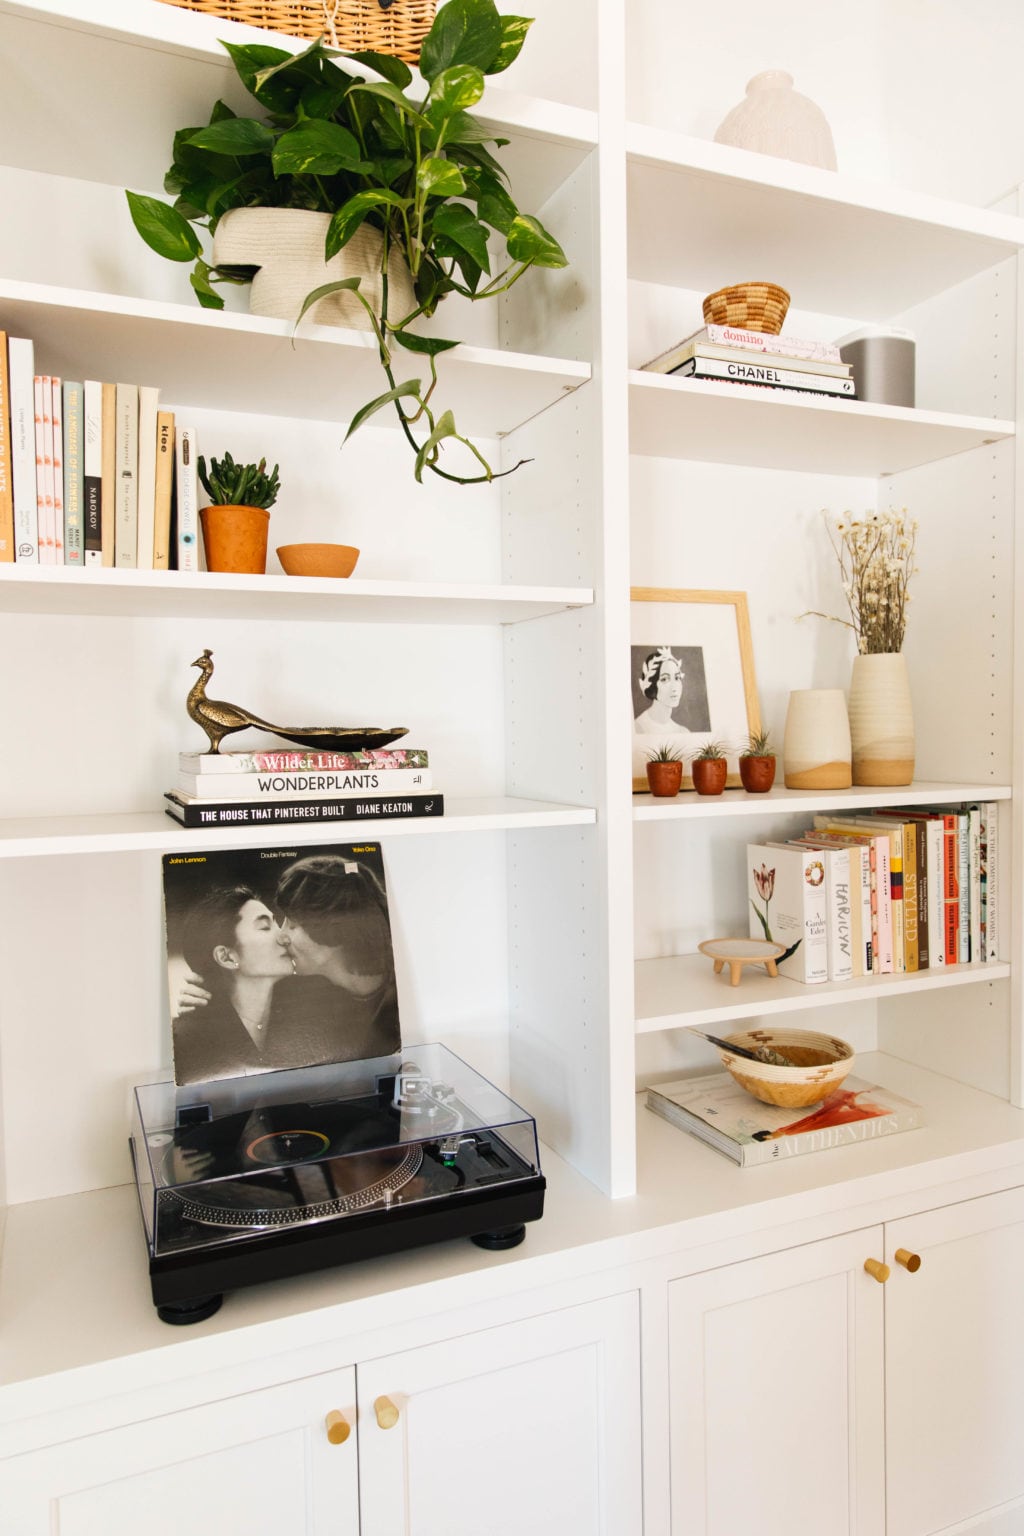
(249, 1187)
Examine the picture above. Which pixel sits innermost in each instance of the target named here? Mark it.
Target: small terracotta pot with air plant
(709, 769)
(757, 764)
(665, 772)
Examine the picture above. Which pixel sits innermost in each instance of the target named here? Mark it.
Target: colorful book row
(881, 893)
(92, 473)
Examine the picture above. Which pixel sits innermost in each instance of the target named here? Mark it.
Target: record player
(256, 1178)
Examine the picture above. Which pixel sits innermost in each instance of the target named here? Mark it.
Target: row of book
(882, 893)
(754, 357)
(92, 473)
(248, 789)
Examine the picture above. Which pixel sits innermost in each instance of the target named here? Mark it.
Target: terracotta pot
(881, 720)
(317, 559)
(709, 774)
(235, 538)
(665, 779)
(757, 774)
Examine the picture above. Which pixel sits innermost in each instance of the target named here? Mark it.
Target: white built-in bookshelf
(555, 946)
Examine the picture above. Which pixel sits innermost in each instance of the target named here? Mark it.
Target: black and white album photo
(278, 958)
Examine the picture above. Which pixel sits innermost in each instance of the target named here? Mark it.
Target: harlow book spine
(764, 373)
(21, 366)
(191, 813)
(93, 471)
(839, 916)
(284, 786)
(219, 763)
(74, 474)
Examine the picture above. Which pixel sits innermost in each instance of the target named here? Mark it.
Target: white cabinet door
(259, 1464)
(954, 1366)
(777, 1395)
(529, 1427)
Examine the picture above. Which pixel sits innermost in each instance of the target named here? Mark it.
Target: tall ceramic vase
(816, 748)
(881, 720)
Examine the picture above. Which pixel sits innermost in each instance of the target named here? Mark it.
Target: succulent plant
(239, 485)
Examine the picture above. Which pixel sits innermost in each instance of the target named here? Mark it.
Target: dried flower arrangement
(876, 561)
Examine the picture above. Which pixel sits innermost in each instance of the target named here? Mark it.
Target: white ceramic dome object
(773, 119)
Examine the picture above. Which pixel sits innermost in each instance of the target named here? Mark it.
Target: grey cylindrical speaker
(883, 359)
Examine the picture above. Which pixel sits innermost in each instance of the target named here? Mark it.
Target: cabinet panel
(534, 1426)
(954, 1364)
(261, 1464)
(776, 1394)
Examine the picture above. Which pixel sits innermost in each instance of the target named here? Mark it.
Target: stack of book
(880, 893)
(717, 1110)
(754, 357)
(92, 474)
(250, 789)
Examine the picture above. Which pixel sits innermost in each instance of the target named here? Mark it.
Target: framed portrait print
(692, 675)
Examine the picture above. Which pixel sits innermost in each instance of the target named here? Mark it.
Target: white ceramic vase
(773, 119)
(881, 720)
(816, 746)
(287, 244)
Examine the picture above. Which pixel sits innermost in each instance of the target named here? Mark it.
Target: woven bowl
(820, 1064)
(750, 306)
(317, 559)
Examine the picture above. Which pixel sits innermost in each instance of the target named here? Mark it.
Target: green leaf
(302, 66)
(317, 148)
(475, 154)
(529, 241)
(385, 64)
(411, 387)
(762, 919)
(445, 427)
(323, 98)
(455, 224)
(429, 345)
(439, 178)
(235, 136)
(200, 280)
(253, 59)
(493, 204)
(350, 215)
(384, 91)
(464, 32)
(454, 90)
(163, 229)
(465, 129)
(513, 36)
(324, 291)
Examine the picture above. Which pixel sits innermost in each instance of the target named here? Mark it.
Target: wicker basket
(750, 306)
(395, 26)
(820, 1062)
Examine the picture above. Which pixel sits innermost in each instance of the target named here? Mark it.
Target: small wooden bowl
(318, 559)
(749, 306)
(821, 1062)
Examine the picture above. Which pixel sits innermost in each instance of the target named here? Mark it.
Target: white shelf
(777, 429)
(737, 802)
(140, 831)
(169, 61)
(676, 991)
(175, 594)
(695, 207)
(229, 361)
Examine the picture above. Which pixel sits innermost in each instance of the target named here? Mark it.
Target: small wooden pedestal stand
(736, 953)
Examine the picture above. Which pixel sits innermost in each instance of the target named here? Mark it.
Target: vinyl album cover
(278, 958)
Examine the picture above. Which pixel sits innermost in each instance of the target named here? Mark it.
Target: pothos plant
(363, 150)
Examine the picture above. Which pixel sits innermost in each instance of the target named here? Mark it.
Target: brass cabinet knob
(386, 1412)
(910, 1261)
(338, 1427)
(877, 1270)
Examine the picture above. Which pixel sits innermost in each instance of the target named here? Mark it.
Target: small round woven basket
(820, 1063)
(379, 26)
(750, 306)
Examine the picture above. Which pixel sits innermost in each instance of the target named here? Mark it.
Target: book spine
(220, 763)
(148, 402)
(883, 885)
(919, 831)
(108, 498)
(74, 474)
(284, 786)
(840, 946)
(277, 813)
(992, 935)
(756, 341)
(911, 929)
(867, 912)
(187, 498)
(708, 349)
(765, 373)
(963, 880)
(42, 419)
(21, 367)
(92, 467)
(163, 491)
(6, 492)
(856, 912)
(950, 890)
(60, 498)
(974, 868)
(126, 470)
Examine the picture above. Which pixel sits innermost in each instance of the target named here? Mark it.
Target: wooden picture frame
(702, 642)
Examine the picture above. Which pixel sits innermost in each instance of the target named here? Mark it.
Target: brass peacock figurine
(219, 719)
